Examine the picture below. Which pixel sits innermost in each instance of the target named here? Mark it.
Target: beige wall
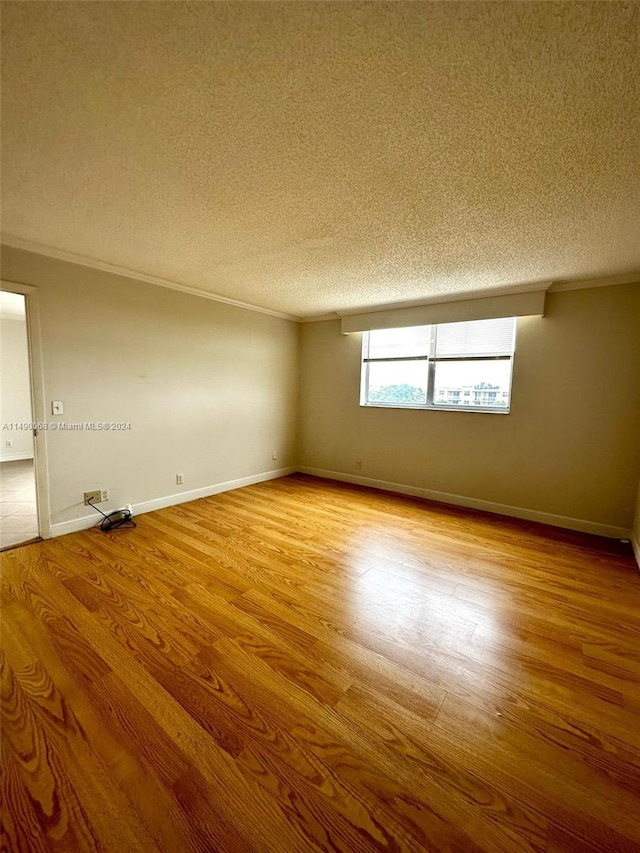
(570, 447)
(210, 389)
(15, 390)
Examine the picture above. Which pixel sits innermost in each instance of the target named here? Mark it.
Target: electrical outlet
(179, 479)
(358, 464)
(104, 495)
(274, 455)
(9, 443)
(94, 497)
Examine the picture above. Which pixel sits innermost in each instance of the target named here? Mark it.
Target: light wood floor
(301, 666)
(18, 508)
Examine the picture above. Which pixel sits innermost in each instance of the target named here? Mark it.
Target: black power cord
(117, 518)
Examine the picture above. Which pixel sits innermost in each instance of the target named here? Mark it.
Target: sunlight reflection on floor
(400, 600)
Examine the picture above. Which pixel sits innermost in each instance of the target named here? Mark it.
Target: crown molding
(605, 281)
(319, 318)
(85, 261)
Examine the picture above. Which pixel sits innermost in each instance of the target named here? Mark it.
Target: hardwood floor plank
(330, 736)
(271, 639)
(330, 815)
(308, 666)
(389, 723)
(233, 618)
(76, 801)
(593, 800)
(97, 723)
(225, 785)
(349, 770)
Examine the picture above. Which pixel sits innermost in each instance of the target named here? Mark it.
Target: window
(448, 366)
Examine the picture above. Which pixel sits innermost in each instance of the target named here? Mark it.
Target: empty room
(320, 403)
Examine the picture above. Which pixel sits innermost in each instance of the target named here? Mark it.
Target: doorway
(18, 492)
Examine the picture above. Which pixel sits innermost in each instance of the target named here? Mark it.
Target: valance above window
(454, 311)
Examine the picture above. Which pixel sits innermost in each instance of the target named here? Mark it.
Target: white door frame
(38, 401)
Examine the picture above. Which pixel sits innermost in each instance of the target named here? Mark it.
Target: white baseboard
(16, 457)
(474, 503)
(92, 520)
(567, 522)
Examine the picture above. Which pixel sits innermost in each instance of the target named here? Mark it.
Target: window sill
(421, 408)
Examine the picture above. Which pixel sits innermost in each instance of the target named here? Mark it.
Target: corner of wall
(297, 444)
(635, 532)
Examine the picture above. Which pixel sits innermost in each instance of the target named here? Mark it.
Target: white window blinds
(400, 343)
(488, 338)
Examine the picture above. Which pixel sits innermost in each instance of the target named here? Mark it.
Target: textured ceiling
(314, 157)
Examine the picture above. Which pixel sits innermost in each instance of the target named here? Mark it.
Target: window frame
(432, 360)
